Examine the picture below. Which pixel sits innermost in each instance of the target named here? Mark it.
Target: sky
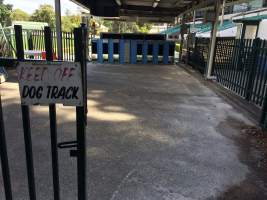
(30, 5)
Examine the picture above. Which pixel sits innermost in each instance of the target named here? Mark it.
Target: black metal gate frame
(80, 43)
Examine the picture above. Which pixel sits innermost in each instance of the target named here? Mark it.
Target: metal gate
(77, 147)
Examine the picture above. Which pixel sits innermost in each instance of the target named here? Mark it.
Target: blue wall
(159, 51)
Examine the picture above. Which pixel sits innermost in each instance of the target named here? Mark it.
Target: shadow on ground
(154, 132)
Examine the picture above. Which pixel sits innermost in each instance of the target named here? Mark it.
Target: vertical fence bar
(144, 52)
(259, 66)
(84, 68)
(68, 50)
(166, 47)
(155, 52)
(227, 63)
(30, 43)
(53, 119)
(242, 67)
(3, 156)
(72, 47)
(110, 50)
(121, 51)
(263, 122)
(100, 50)
(63, 46)
(80, 56)
(233, 65)
(26, 122)
(237, 62)
(253, 68)
(265, 73)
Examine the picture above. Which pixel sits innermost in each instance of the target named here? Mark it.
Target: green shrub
(177, 47)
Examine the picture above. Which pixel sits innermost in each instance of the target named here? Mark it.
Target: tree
(45, 13)
(5, 13)
(19, 15)
(69, 22)
(108, 24)
(127, 27)
(144, 27)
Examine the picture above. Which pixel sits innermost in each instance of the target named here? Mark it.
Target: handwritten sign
(46, 83)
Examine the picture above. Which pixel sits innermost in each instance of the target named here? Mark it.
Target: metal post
(79, 43)
(194, 19)
(53, 119)
(213, 40)
(223, 8)
(84, 68)
(4, 158)
(26, 121)
(182, 39)
(58, 29)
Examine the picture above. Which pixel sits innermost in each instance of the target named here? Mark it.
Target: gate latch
(68, 145)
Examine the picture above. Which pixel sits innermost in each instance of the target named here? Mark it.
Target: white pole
(58, 29)
(213, 40)
(194, 19)
(223, 8)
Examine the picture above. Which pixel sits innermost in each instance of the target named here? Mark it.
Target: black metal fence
(6, 49)
(78, 146)
(198, 55)
(34, 44)
(239, 65)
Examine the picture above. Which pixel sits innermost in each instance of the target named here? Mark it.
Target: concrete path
(154, 133)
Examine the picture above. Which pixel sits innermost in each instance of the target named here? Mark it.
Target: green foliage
(5, 13)
(127, 27)
(144, 27)
(45, 13)
(69, 22)
(177, 47)
(108, 24)
(19, 15)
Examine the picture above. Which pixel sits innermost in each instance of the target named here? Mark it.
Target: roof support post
(58, 29)
(194, 19)
(223, 9)
(182, 39)
(213, 40)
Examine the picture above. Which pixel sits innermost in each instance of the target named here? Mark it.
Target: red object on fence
(44, 56)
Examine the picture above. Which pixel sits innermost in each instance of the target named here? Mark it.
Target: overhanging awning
(151, 10)
(256, 18)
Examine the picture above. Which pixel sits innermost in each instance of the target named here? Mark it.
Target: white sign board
(47, 83)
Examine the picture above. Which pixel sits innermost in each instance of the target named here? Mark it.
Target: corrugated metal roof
(252, 18)
(201, 28)
(153, 10)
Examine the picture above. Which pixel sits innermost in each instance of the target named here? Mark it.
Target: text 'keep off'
(46, 83)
